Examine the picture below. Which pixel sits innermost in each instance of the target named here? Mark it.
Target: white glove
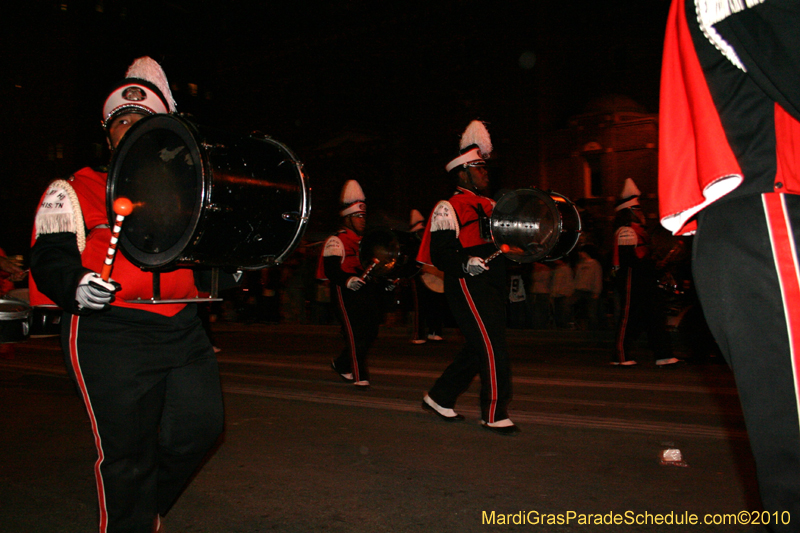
(475, 266)
(355, 283)
(94, 293)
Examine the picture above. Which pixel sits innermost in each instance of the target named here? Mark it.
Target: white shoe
(434, 337)
(418, 341)
(443, 412)
(501, 427)
(625, 363)
(363, 384)
(668, 361)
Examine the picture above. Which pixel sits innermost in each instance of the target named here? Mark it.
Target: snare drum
(396, 252)
(46, 321)
(206, 197)
(536, 225)
(15, 320)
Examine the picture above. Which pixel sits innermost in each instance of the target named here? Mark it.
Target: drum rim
(23, 314)
(305, 210)
(186, 131)
(578, 230)
(550, 203)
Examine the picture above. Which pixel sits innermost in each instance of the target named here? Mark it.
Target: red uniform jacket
(90, 188)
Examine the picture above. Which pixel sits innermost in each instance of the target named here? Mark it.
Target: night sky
(374, 91)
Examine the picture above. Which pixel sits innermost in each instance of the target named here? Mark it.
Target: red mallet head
(123, 206)
(505, 248)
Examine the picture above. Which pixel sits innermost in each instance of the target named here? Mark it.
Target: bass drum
(535, 225)
(396, 252)
(206, 197)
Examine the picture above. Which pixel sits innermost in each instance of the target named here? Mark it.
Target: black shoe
(457, 418)
(507, 431)
(347, 377)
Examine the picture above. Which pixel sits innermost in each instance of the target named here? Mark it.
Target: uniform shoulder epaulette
(60, 212)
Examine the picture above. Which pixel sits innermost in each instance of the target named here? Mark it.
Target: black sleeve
(447, 253)
(766, 38)
(56, 267)
(333, 270)
(627, 256)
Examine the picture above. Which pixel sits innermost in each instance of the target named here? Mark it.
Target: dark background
(374, 91)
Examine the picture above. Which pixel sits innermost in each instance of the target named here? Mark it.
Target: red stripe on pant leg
(489, 348)
(785, 254)
(351, 341)
(76, 367)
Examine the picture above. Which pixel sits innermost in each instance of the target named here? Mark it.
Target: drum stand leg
(156, 285)
(214, 282)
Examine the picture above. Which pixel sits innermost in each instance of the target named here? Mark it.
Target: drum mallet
(122, 208)
(504, 248)
(375, 262)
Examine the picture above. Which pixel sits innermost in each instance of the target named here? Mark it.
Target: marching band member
(356, 301)
(635, 277)
(147, 373)
(729, 169)
(427, 290)
(455, 243)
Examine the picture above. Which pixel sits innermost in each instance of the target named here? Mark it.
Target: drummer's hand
(11, 266)
(392, 285)
(475, 266)
(94, 293)
(355, 283)
(19, 276)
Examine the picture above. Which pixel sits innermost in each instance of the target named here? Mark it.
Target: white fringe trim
(709, 12)
(333, 246)
(626, 236)
(69, 220)
(444, 218)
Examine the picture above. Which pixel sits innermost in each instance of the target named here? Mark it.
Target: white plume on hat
(629, 196)
(352, 199)
(476, 145)
(146, 68)
(477, 134)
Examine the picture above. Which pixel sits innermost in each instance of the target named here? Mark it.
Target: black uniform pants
(151, 388)
(641, 310)
(745, 267)
(480, 312)
(359, 313)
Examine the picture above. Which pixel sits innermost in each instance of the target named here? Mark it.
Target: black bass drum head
(157, 166)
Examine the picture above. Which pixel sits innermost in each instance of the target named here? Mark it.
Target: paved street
(305, 452)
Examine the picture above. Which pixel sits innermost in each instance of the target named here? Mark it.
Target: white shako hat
(352, 199)
(417, 221)
(144, 90)
(629, 197)
(476, 146)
